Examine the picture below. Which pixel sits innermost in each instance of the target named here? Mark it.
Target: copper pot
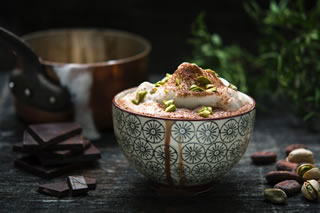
(94, 65)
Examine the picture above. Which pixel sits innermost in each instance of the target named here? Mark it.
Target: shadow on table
(219, 199)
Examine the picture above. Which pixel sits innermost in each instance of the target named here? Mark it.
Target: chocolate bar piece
(18, 147)
(89, 155)
(77, 185)
(52, 133)
(32, 165)
(58, 189)
(75, 142)
(91, 182)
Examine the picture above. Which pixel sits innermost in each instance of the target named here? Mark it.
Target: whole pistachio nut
(313, 173)
(311, 189)
(301, 156)
(301, 169)
(276, 196)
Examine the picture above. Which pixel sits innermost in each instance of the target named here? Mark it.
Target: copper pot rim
(179, 119)
(45, 33)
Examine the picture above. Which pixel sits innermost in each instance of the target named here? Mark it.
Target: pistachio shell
(311, 189)
(313, 173)
(301, 169)
(301, 156)
(276, 196)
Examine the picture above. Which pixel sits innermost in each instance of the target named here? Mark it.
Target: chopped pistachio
(210, 70)
(196, 88)
(171, 108)
(135, 102)
(213, 89)
(166, 91)
(205, 109)
(168, 103)
(203, 80)
(202, 109)
(159, 83)
(140, 96)
(204, 113)
(208, 86)
(153, 90)
(177, 82)
(233, 87)
(163, 81)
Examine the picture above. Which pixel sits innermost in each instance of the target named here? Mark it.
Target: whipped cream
(224, 98)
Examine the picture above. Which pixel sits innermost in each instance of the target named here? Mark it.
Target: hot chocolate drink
(189, 93)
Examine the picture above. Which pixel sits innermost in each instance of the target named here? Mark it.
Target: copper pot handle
(28, 82)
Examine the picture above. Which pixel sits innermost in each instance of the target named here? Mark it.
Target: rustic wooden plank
(120, 188)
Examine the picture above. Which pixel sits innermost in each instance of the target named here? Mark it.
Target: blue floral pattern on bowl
(182, 152)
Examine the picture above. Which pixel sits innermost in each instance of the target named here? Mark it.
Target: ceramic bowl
(182, 153)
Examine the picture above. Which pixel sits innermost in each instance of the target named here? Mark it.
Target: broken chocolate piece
(32, 165)
(77, 185)
(75, 142)
(58, 189)
(89, 155)
(91, 182)
(18, 147)
(52, 133)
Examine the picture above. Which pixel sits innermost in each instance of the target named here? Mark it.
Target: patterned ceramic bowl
(182, 153)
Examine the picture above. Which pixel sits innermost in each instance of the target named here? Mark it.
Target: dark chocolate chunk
(52, 133)
(89, 155)
(75, 142)
(91, 182)
(58, 189)
(18, 147)
(77, 185)
(32, 165)
(261, 158)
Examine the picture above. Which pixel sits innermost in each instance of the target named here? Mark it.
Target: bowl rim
(179, 119)
(47, 33)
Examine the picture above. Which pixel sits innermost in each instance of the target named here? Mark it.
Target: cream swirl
(177, 88)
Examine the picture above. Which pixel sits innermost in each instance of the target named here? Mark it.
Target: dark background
(168, 29)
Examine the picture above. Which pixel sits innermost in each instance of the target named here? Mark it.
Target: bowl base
(167, 190)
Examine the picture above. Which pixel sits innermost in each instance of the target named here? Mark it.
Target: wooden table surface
(122, 189)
